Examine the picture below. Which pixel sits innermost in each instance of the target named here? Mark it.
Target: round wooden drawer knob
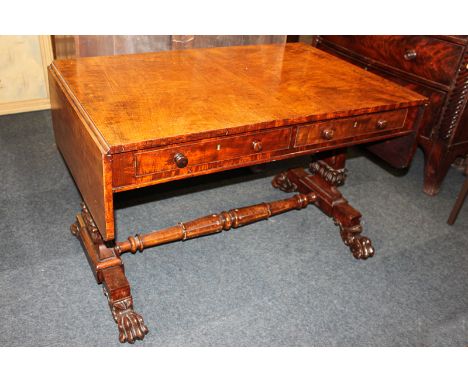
(381, 124)
(180, 160)
(410, 55)
(257, 146)
(328, 133)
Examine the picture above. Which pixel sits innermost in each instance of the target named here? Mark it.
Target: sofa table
(131, 121)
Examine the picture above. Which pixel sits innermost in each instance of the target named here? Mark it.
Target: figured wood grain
(436, 99)
(440, 73)
(148, 100)
(435, 95)
(435, 59)
(212, 150)
(131, 121)
(127, 172)
(398, 152)
(349, 127)
(86, 159)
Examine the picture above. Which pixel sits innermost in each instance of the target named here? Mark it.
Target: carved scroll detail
(360, 246)
(333, 176)
(282, 182)
(130, 324)
(90, 225)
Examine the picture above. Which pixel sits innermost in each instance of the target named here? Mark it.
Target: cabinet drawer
(424, 56)
(436, 102)
(209, 151)
(314, 133)
(436, 97)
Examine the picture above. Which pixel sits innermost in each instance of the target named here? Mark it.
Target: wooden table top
(146, 100)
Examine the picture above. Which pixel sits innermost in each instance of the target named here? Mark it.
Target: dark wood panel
(435, 96)
(436, 102)
(461, 135)
(398, 152)
(450, 125)
(424, 56)
(444, 131)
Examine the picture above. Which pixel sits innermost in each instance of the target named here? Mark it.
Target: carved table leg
(117, 290)
(436, 165)
(108, 269)
(325, 174)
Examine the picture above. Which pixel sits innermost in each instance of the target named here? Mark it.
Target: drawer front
(436, 97)
(433, 111)
(428, 57)
(315, 133)
(182, 157)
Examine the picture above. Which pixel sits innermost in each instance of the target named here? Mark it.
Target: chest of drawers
(435, 66)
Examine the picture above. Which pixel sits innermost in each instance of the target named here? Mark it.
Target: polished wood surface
(85, 156)
(435, 66)
(424, 56)
(342, 128)
(163, 116)
(331, 202)
(195, 94)
(211, 150)
(132, 121)
(215, 223)
(108, 270)
(147, 167)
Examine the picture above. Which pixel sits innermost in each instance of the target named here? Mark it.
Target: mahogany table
(131, 121)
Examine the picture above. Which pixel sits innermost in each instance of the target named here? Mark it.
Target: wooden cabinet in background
(435, 66)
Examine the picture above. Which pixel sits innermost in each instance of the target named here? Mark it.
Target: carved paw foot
(130, 324)
(282, 182)
(360, 246)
